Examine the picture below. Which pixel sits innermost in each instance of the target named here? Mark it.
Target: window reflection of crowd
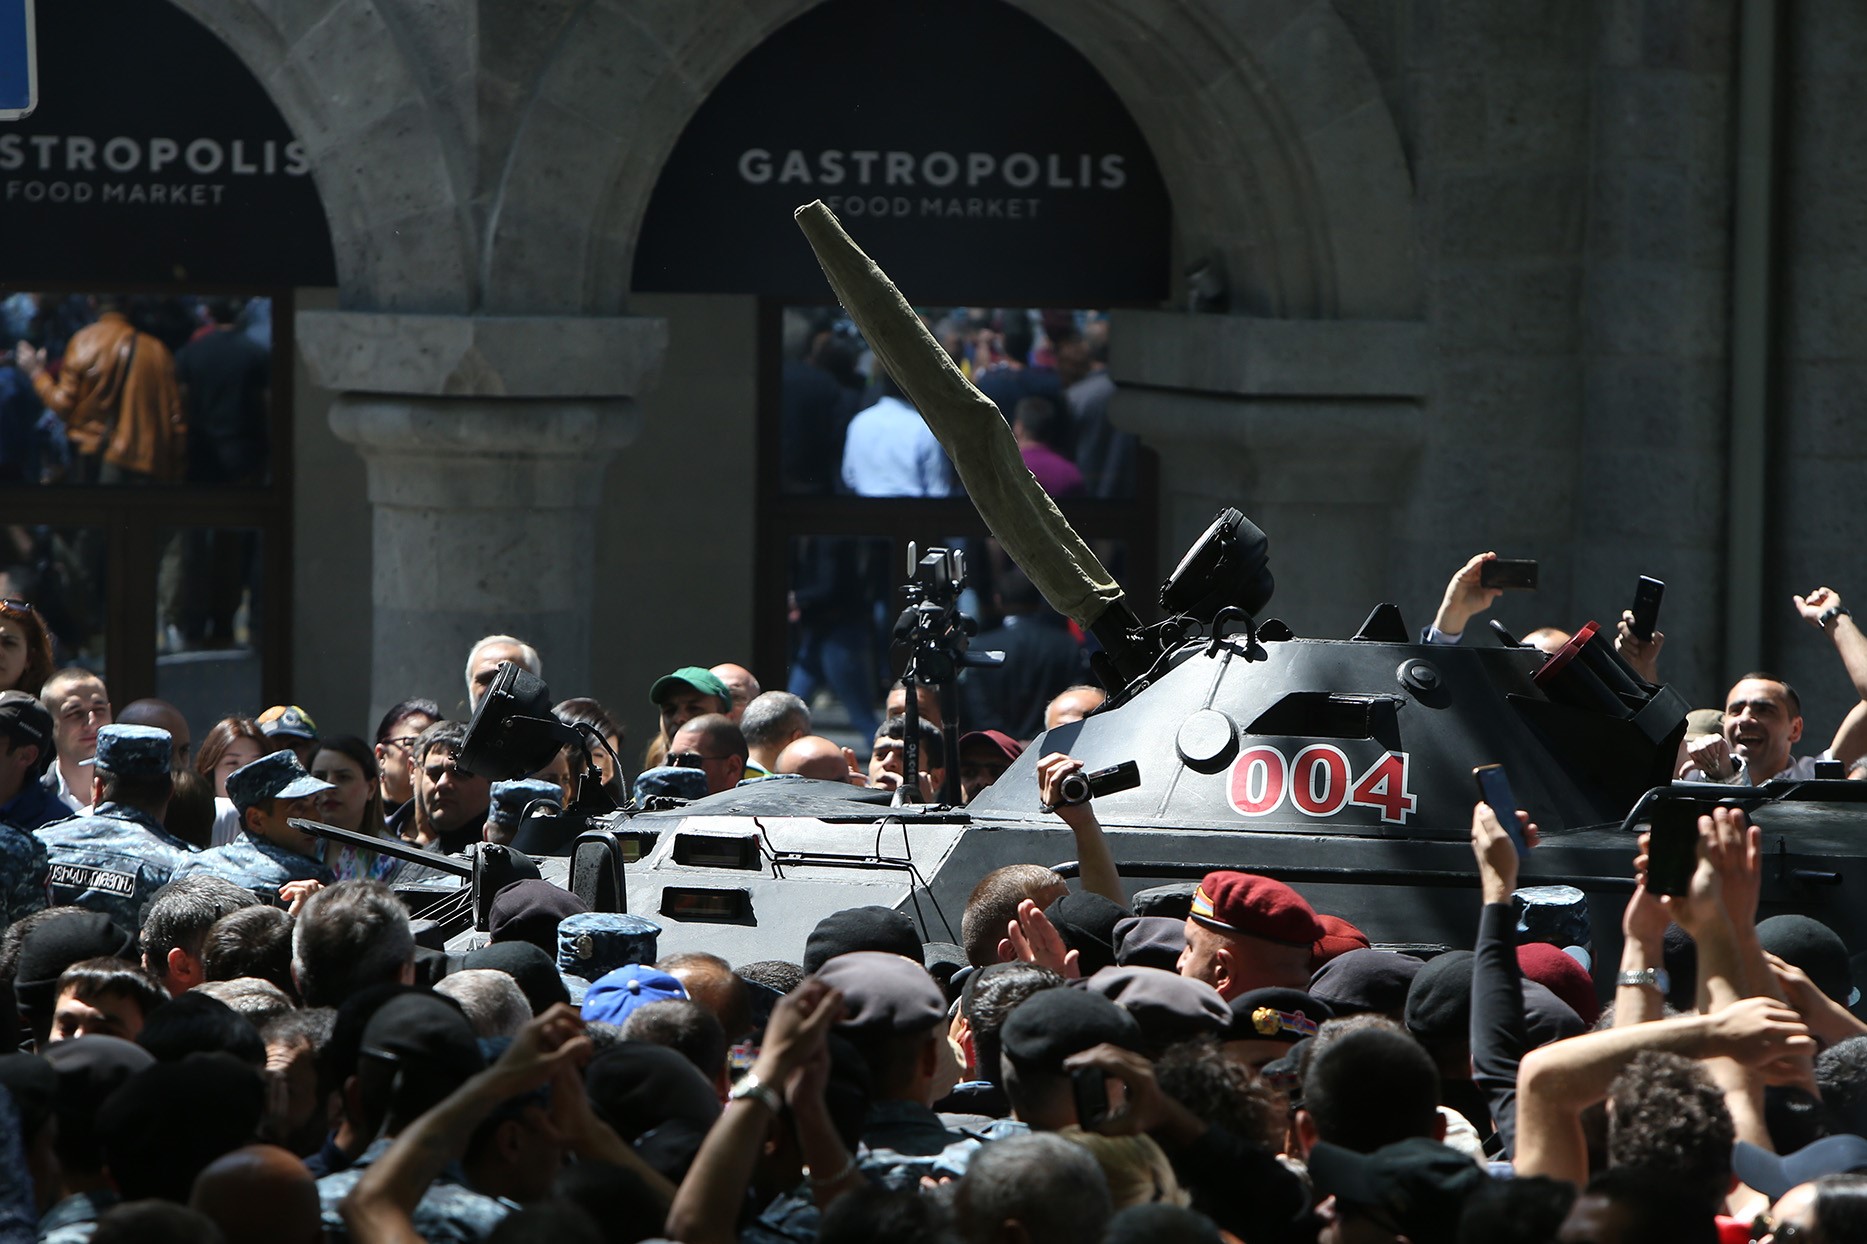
(133, 390)
(847, 430)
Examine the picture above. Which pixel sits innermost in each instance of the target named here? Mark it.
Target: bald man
(163, 716)
(814, 756)
(739, 681)
(259, 1194)
(1073, 704)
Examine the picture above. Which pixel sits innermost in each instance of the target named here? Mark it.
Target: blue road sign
(19, 68)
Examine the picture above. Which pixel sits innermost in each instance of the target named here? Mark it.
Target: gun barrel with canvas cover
(976, 438)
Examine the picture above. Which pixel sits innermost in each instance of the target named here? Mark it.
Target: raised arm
(1499, 1035)
(1464, 598)
(1092, 845)
(1823, 609)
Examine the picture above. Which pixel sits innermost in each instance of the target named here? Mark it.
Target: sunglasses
(689, 760)
(13, 604)
(405, 742)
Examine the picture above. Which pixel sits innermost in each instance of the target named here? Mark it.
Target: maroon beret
(1245, 904)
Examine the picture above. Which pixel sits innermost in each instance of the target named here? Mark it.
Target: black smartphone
(1647, 594)
(1507, 573)
(1494, 789)
(1090, 1088)
(1672, 846)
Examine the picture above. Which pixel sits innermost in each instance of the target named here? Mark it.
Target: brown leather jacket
(119, 384)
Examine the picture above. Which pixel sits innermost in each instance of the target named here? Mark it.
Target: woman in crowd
(354, 802)
(395, 735)
(232, 743)
(25, 648)
(585, 711)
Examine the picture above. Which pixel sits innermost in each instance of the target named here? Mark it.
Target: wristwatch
(764, 1094)
(1647, 978)
(1830, 614)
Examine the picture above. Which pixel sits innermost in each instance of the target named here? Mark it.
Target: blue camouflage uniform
(449, 1212)
(115, 859)
(24, 868)
(253, 862)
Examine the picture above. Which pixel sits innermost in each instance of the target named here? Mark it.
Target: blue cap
(510, 799)
(611, 999)
(1557, 914)
(135, 751)
(278, 776)
(592, 944)
(671, 781)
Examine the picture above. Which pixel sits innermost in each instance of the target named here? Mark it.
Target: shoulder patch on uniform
(78, 877)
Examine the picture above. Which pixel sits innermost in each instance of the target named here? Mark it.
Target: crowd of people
(230, 1029)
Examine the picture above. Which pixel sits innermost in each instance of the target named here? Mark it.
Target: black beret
(1150, 942)
(1818, 950)
(529, 911)
(525, 963)
(169, 1121)
(89, 1070)
(1053, 1024)
(1087, 923)
(58, 943)
(1275, 1014)
(1439, 1005)
(1366, 980)
(33, 1083)
(426, 1031)
(862, 928)
(1167, 1006)
(884, 993)
(637, 1087)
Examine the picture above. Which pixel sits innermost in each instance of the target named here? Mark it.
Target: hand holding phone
(1089, 1087)
(1504, 572)
(1494, 789)
(1672, 846)
(1647, 595)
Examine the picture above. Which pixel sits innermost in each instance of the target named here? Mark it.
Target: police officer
(26, 733)
(269, 853)
(114, 859)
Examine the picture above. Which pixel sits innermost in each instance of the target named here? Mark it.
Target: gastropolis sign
(975, 154)
(153, 158)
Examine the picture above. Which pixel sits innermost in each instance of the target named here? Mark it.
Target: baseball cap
(1418, 1186)
(25, 720)
(134, 751)
(862, 928)
(883, 992)
(275, 776)
(615, 996)
(287, 721)
(1053, 1024)
(998, 740)
(1773, 1175)
(1247, 905)
(424, 1030)
(698, 678)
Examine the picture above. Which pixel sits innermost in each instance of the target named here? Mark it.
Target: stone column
(1311, 427)
(486, 439)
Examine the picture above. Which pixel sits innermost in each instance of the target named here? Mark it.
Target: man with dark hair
(1841, 1075)
(252, 942)
(1668, 1122)
(993, 905)
(163, 716)
(176, 922)
(712, 744)
(89, 1070)
(1368, 1084)
(26, 734)
(1042, 660)
(991, 994)
(885, 759)
(450, 804)
(269, 854)
(772, 722)
(1042, 431)
(104, 998)
(351, 936)
(297, 1114)
(1622, 1206)
(889, 451)
(116, 858)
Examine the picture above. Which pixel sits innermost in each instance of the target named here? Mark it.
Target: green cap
(705, 681)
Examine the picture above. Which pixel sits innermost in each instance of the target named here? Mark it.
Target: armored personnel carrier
(1341, 765)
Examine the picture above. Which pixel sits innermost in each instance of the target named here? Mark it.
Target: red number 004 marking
(1317, 783)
